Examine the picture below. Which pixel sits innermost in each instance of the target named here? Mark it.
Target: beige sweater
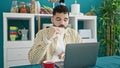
(42, 50)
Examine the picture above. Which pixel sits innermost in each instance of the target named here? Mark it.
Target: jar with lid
(14, 6)
(28, 5)
(23, 8)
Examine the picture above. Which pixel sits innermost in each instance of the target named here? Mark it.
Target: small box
(85, 33)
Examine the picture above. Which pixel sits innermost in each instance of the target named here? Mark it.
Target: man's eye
(65, 20)
(58, 19)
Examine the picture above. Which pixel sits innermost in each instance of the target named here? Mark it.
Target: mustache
(63, 26)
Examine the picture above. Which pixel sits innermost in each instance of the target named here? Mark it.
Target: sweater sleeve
(75, 36)
(38, 50)
(78, 37)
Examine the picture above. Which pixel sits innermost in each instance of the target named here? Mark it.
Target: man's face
(60, 20)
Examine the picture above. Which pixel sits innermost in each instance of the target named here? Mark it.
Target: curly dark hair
(60, 9)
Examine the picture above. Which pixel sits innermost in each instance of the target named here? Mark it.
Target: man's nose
(62, 22)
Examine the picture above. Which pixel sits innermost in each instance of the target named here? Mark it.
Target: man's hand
(61, 55)
(53, 31)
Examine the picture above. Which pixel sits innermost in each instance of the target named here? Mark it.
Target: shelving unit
(89, 22)
(16, 52)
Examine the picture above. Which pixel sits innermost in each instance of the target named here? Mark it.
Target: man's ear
(52, 20)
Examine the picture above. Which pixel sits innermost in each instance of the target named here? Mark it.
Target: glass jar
(28, 5)
(14, 6)
(23, 8)
(32, 8)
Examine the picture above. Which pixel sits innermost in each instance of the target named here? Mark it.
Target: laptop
(80, 55)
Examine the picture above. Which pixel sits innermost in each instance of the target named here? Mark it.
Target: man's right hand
(52, 33)
(61, 55)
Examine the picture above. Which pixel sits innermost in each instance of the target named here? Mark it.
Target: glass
(14, 6)
(28, 5)
(23, 8)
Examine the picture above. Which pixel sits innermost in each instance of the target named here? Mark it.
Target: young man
(50, 43)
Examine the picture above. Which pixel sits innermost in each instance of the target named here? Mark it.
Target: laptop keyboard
(60, 64)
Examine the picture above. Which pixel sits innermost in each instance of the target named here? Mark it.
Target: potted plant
(91, 12)
(109, 27)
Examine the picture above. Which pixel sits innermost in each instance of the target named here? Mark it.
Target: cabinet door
(17, 53)
(17, 63)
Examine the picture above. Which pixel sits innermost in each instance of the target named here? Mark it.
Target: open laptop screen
(80, 55)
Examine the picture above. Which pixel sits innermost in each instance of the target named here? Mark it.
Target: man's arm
(38, 50)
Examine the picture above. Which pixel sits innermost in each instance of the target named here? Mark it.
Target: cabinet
(16, 51)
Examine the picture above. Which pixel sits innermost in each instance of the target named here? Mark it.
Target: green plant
(109, 27)
(91, 12)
